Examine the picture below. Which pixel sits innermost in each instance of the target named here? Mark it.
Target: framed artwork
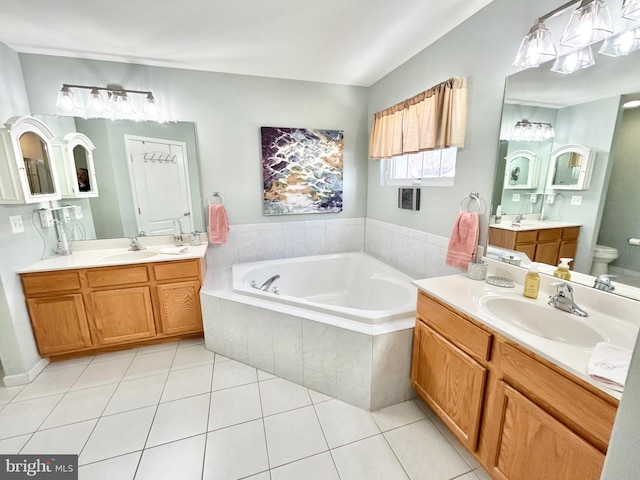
(302, 170)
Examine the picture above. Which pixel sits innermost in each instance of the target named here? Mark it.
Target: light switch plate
(515, 197)
(16, 223)
(576, 200)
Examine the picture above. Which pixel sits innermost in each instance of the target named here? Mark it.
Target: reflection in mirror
(584, 108)
(114, 213)
(82, 169)
(570, 168)
(520, 171)
(36, 164)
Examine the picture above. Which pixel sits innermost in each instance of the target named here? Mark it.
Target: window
(430, 168)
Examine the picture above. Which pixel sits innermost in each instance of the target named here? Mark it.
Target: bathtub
(340, 324)
(348, 285)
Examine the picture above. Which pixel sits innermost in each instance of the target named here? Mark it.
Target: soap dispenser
(563, 269)
(532, 282)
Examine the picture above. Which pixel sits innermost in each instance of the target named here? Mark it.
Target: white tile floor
(177, 411)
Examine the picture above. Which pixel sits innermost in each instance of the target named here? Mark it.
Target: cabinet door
(528, 249)
(122, 315)
(59, 323)
(450, 381)
(180, 307)
(535, 446)
(547, 253)
(568, 249)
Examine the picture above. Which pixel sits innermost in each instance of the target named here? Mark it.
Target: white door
(160, 184)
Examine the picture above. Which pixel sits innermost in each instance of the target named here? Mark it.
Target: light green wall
(228, 111)
(18, 352)
(482, 49)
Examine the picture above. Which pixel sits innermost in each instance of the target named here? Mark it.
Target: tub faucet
(134, 246)
(563, 300)
(265, 286)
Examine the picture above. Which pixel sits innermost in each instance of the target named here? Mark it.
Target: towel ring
(470, 198)
(213, 196)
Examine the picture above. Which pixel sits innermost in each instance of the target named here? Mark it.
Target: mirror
(585, 109)
(115, 208)
(37, 165)
(570, 168)
(520, 171)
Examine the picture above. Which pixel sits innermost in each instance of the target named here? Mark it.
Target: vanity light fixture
(631, 9)
(590, 22)
(574, 61)
(526, 131)
(118, 104)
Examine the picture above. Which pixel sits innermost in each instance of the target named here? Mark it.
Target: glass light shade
(65, 100)
(526, 131)
(124, 104)
(151, 106)
(631, 104)
(622, 44)
(574, 61)
(589, 23)
(536, 48)
(631, 9)
(95, 102)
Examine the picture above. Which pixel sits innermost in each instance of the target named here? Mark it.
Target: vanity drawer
(107, 277)
(527, 236)
(582, 410)
(549, 234)
(570, 233)
(174, 270)
(36, 283)
(455, 328)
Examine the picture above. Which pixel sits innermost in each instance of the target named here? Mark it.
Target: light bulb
(65, 99)
(124, 104)
(151, 106)
(95, 102)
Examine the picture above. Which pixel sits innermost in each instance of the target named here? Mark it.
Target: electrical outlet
(65, 214)
(78, 212)
(46, 218)
(576, 200)
(16, 223)
(515, 197)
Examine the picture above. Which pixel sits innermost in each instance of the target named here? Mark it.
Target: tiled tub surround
(413, 252)
(363, 364)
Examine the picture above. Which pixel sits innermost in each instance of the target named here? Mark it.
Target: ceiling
(352, 42)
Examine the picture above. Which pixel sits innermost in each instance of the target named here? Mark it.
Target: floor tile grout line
(396, 457)
(206, 433)
(323, 434)
(264, 427)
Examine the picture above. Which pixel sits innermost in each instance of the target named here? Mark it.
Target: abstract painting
(302, 170)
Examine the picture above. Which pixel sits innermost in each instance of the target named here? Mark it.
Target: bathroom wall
(18, 353)
(228, 111)
(571, 129)
(482, 49)
(620, 219)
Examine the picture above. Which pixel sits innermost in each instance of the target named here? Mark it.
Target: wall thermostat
(409, 198)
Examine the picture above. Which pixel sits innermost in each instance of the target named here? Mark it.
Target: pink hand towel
(218, 224)
(464, 240)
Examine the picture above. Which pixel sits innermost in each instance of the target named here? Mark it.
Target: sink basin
(127, 256)
(540, 320)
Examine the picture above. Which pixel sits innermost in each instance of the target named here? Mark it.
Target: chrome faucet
(517, 220)
(134, 246)
(265, 286)
(603, 282)
(563, 300)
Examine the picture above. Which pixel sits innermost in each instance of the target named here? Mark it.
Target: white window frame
(386, 178)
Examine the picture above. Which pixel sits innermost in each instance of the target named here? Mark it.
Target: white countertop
(96, 253)
(462, 293)
(532, 225)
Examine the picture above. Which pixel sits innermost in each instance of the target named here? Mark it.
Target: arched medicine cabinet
(521, 170)
(27, 172)
(74, 159)
(570, 168)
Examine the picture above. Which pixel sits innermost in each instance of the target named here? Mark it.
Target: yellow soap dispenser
(563, 269)
(532, 282)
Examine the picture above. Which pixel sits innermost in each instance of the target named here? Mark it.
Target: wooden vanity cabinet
(97, 309)
(546, 245)
(522, 417)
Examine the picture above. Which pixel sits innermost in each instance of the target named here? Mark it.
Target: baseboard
(25, 378)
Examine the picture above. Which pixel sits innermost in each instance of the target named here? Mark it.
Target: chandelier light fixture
(526, 131)
(590, 22)
(116, 102)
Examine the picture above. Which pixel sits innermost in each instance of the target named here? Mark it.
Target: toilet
(602, 256)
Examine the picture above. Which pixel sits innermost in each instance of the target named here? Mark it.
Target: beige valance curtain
(431, 120)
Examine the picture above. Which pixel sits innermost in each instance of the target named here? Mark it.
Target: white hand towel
(174, 250)
(609, 364)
